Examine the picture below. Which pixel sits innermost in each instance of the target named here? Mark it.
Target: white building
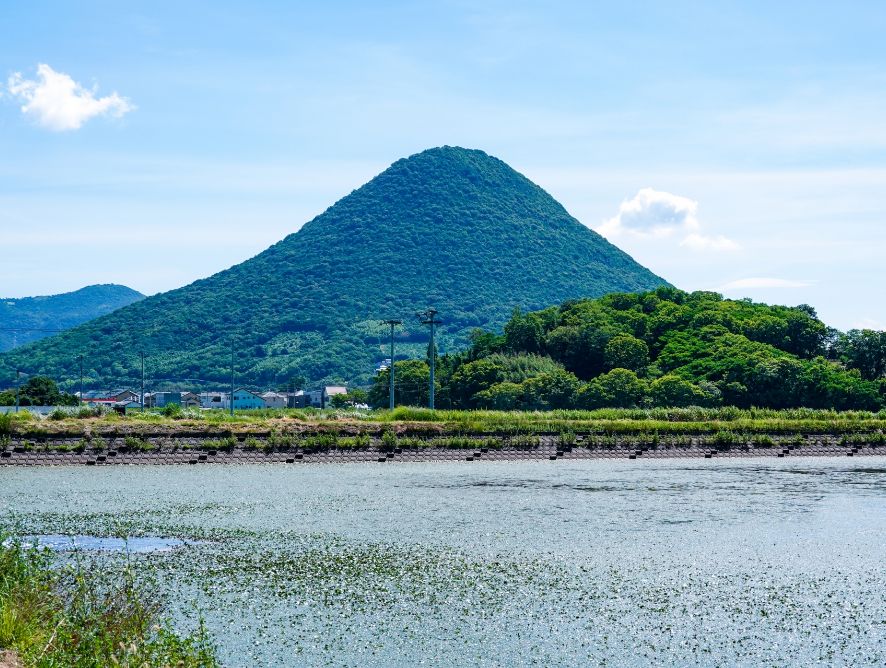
(274, 400)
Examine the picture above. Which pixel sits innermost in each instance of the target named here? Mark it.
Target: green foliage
(172, 411)
(619, 388)
(38, 391)
(411, 384)
(556, 389)
(87, 616)
(354, 397)
(672, 390)
(388, 440)
(6, 423)
(863, 350)
(302, 304)
(502, 397)
(136, 443)
(624, 351)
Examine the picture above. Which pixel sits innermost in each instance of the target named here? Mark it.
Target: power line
(429, 317)
(392, 324)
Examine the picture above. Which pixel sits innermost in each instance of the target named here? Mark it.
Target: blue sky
(738, 147)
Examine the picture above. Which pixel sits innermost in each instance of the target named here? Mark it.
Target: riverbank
(412, 434)
(198, 451)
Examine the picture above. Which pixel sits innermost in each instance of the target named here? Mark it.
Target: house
(214, 399)
(163, 399)
(190, 400)
(274, 400)
(297, 399)
(107, 397)
(245, 400)
(331, 390)
(320, 398)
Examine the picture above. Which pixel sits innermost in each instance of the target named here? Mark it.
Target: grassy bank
(54, 614)
(419, 421)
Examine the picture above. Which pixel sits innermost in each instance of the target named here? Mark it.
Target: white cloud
(763, 282)
(701, 242)
(57, 102)
(655, 214)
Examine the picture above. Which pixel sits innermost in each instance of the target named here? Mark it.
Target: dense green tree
(674, 391)
(38, 391)
(619, 388)
(864, 350)
(472, 378)
(411, 384)
(550, 390)
(502, 396)
(675, 348)
(624, 351)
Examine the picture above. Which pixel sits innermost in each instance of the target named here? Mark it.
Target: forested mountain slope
(29, 315)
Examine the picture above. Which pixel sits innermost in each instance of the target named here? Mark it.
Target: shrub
(136, 443)
(5, 424)
(59, 414)
(388, 440)
(172, 411)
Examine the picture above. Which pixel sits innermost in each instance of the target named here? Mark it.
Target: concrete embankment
(196, 450)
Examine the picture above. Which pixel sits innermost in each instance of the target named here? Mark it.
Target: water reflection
(133, 544)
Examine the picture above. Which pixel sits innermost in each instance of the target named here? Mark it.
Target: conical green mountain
(451, 228)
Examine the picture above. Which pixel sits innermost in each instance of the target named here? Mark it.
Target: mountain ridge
(59, 311)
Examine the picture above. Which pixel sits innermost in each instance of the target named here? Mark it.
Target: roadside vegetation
(287, 428)
(55, 612)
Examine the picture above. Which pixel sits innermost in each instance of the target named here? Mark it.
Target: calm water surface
(585, 563)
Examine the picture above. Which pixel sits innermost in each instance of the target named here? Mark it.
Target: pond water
(609, 563)
(131, 544)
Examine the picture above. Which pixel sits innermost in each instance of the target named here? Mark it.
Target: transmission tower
(429, 317)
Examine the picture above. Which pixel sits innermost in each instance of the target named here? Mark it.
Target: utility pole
(232, 377)
(143, 380)
(392, 324)
(429, 317)
(18, 387)
(80, 359)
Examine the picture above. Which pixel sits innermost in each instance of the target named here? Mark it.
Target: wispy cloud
(764, 282)
(56, 102)
(655, 214)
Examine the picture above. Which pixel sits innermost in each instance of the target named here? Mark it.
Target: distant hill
(449, 227)
(58, 312)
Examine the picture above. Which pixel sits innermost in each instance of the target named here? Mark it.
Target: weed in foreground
(54, 614)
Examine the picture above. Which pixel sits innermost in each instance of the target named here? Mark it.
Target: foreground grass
(61, 615)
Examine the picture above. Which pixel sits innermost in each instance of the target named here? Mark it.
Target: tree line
(665, 347)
